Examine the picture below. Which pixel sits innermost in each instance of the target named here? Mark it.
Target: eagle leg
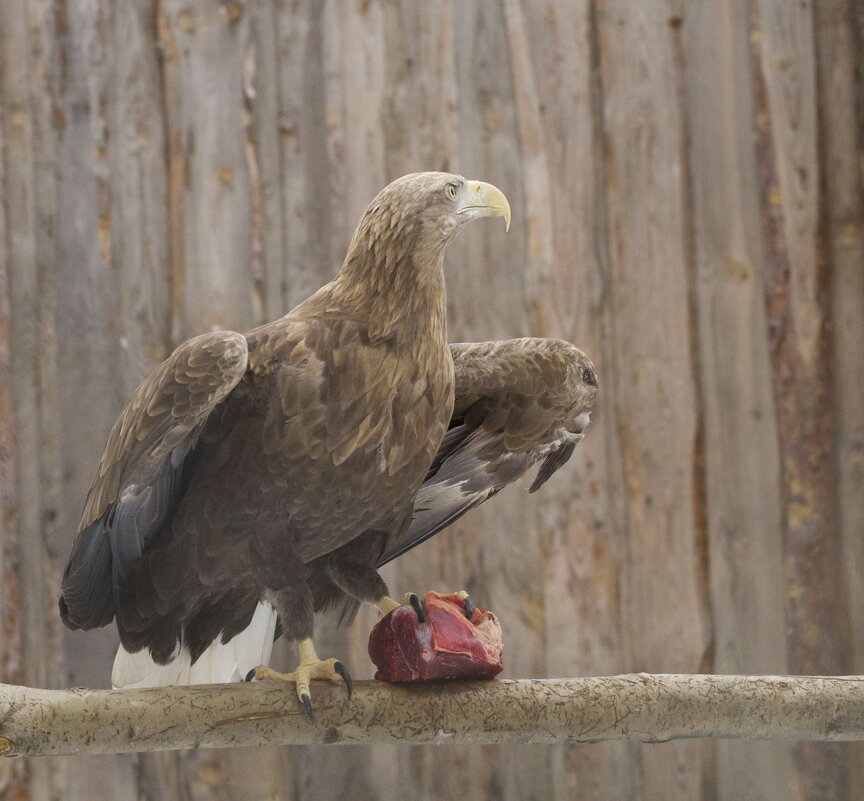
(386, 604)
(310, 667)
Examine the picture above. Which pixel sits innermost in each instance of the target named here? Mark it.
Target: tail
(220, 662)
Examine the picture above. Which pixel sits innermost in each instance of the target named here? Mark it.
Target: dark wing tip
(556, 459)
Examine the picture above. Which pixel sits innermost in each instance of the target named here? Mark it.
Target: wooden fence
(686, 183)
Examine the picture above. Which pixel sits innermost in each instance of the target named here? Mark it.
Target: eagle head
(440, 200)
(422, 212)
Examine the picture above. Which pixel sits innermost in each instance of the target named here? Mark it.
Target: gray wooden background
(686, 183)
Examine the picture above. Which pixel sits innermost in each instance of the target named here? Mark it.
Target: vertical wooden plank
(645, 160)
(650, 385)
(10, 599)
(27, 33)
(486, 136)
(743, 505)
(840, 72)
(795, 279)
(264, 131)
(14, 774)
(113, 95)
(495, 552)
(209, 185)
(839, 60)
(554, 70)
(22, 221)
(102, 274)
(796, 282)
(418, 104)
(86, 338)
(356, 49)
(135, 178)
(578, 517)
(312, 249)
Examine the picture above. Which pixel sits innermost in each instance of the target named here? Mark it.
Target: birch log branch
(643, 707)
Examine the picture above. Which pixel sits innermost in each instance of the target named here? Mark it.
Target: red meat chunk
(446, 646)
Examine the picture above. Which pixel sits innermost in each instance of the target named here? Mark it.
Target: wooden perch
(647, 708)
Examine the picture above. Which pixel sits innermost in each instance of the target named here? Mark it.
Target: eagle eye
(451, 191)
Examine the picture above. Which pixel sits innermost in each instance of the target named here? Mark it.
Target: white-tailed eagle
(269, 474)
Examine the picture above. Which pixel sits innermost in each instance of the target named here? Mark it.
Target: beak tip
(487, 201)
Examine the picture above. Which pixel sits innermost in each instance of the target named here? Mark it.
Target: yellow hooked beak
(480, 199)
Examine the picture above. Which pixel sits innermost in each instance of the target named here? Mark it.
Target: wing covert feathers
(165, 414)
(518, 402)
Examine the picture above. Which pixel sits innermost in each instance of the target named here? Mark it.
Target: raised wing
(139, 478)
(518, 402)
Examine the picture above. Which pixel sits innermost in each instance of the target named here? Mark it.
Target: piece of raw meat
(446, 645)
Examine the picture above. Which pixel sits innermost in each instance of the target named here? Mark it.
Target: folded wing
(140, 477)
(518, 402)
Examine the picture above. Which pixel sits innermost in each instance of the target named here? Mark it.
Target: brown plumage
(517, 402)
(276, 470)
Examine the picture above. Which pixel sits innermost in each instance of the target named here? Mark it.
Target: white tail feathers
(220, 663)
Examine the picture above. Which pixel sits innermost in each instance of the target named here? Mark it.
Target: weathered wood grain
(212, 264)
(652, 373)
(642, 707)
(743, 510)
(840, 92)
(796, 279)
(14, 778)
(27, 33)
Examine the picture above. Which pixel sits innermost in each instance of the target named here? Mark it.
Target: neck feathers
(392, 276)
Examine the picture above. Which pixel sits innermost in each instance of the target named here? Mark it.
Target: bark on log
(640, 707)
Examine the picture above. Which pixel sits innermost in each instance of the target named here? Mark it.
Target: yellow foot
(310, 667)
(387, 604)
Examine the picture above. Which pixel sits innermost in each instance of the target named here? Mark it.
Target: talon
(346, 677)
(307, 705)
(309, 669)
(469, 606)
(418, 607)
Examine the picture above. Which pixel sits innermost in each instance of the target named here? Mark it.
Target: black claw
(346, 677)
(418, 607)
(469, 607)
(250, 675)
(307, 705)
